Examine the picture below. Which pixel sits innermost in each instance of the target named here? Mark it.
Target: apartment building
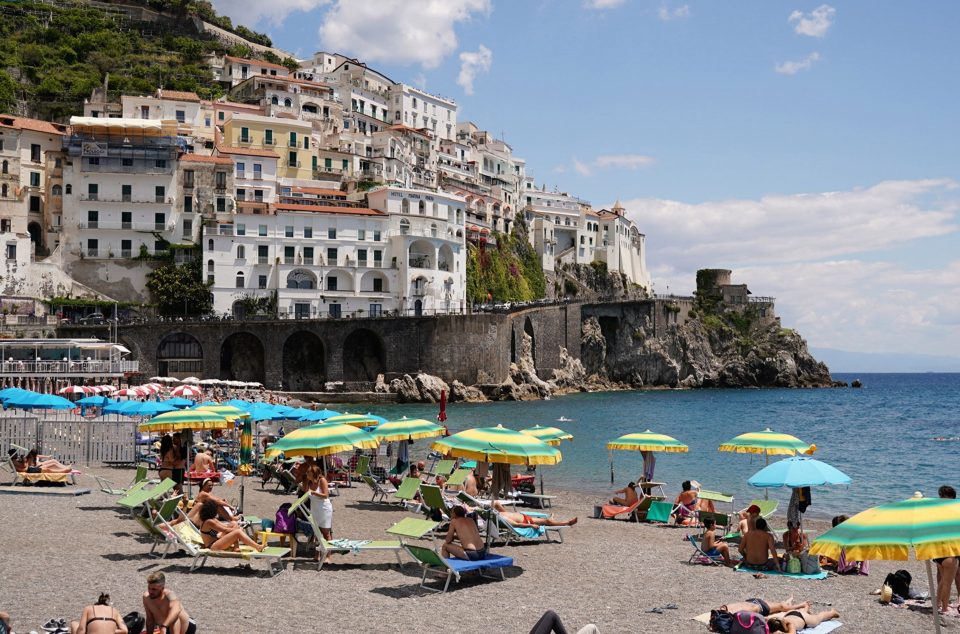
(418, 109)
(290, 139)
(238, 69)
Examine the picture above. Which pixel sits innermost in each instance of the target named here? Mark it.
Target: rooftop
(246, 151)
(325, 209)
(200, 158)
(22, 123)
(256, 62)
(178, 95)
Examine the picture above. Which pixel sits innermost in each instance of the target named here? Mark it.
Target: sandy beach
(59, 553)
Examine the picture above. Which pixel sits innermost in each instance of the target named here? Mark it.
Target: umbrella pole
(610, 453)
(933, 598)
(766, 491)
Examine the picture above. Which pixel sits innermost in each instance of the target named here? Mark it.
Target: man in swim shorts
(164, 609)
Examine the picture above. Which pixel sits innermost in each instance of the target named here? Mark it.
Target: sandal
(655, 611)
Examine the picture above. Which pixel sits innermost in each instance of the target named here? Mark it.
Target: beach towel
(612, 510)
(819, 575)
(353, 545)
(823, 628)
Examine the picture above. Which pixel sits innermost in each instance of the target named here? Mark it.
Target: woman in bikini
(219, 535)
(99, 618)
(168, 458)
(686, 504)
(38, 463)
(795, 620)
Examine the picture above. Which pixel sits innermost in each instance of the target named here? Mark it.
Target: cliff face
(700, 353)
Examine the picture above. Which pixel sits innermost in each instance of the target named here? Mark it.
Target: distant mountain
(845, 361)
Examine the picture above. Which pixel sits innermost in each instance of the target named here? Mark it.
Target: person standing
(948, 568)
(320, 505)
(164, 609)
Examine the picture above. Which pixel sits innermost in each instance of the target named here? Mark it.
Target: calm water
(880, 435)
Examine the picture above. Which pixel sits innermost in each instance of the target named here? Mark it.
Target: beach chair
(414, 528)
(141, 496)
(502, 529)
(700, 556)
(191, 541)
(24, 478)
(442, 468)
(433, 501)
(380, 491)
(108, 487)
(157, 526)
(407, 493)
(457, 478)
(363, 465)
(449, 569)
(659, 511)
(636, 512)
(767, 507)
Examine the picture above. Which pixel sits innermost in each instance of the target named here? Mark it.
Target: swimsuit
(713, 552)
(763, 605)
(527, 519)
(98, 618)
(475, 555)
(795, 613)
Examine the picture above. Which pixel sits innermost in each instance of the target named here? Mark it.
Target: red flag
(442, 416)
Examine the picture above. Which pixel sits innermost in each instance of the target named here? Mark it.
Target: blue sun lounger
(453, 568)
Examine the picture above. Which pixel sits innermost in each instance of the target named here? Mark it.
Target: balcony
(269, 142)
(263, 259)
(145, 226)
(245, 140)
(292, 164)
(319, 173)
(293, 143)
(126, 199)
(188, 184)
(126, 253)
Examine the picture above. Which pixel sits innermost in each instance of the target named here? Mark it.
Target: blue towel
(819, 575)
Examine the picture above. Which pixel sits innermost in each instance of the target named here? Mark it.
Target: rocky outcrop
(422, 388)
(465, 393)
(702, 353)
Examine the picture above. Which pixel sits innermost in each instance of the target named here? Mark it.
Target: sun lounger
(502, 529)
(380, 491)
(700, 556)
(442, 468)
(457, 478)
(407, 493)
(22, 477)
(432, 562)
(659, 511)
(408, 527)
(434, 501)
(135, 499)
(108, 487)
(157, 526)
(190, 539)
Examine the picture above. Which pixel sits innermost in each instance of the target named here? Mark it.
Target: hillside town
(329, 191)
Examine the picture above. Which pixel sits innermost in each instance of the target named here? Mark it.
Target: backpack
(720, 621)
(748, 623)
(134, 622)
(284, 522)
(899, 582)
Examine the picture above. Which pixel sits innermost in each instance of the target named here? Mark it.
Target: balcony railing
(68, 367)
(245, 140)
(133, 226)
(292, 163)
(126, 198)
(263, 259)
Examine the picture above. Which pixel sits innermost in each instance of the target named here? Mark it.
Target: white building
(418, 109)
(238, 69)
(621, 245)
(194, 117)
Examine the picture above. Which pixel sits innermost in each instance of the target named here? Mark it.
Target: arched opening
(404, 226)
(422, 208)
(301, 278)
(287, 103)
(57, 190)
(374, 282)
(6, 166)
(528, 330)
(36, 237)
(241, 252)
(418, 308)
(210, 266)
(3, 190)
(274, 101)
(69, 189)
(445, 258)
(239, 309)
(241, 358)
(241, 280)
(210, 244)
(405, 206)
(311, 108)
(304, 368)
(363, 356)
(421, 254)
(179, 355)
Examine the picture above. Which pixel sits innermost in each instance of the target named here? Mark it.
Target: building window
(220, 181)
(161, 163)
(361, 257)
(332, 233)
(308, 255)
(210, 244)
(240, 280)
(93, 219)
(405, 206)
(241, 252)
(289, 255)
(308, 232)
(292, 160)
(181, 116)
(332, 256)
(334, 308)
(241, 194)
(241, 229)
(361, 234)
(288, 231)
(126, 220)
(35, 204)
(221, 204)
(34, 153)
(262, 230)
(261, 281)
(376, 310)
(274, 101)
(187, 228)
(160, 221)
(126, 248)
(210, 266)
(331, 284)
(263, 253)
(422, 208)
(377, 285)
(93, 190)
(244, 135)
(404, 227)
(34, 179)
(378, 258)
(160, 193)
(257, 171)
(376, 235)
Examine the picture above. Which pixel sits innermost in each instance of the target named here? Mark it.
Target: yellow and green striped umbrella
(322, 440)
(648, 441)
(767, 442)
(356, 420)
(549, 435)
(229, 412)
(498, 444)
(185, 419)
(407, 429)
(931, 526)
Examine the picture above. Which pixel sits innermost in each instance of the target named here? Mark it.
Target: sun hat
(753, 508)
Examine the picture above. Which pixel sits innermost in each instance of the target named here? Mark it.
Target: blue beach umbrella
(95, 401)
(265, 413)
(121, 407)
(10, 392)
(242, 404)
(178, 402)
(797, 472)
(149, 408)
(322, 414)
(40, 401)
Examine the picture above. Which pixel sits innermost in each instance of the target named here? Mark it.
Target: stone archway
(37, 238)
(179, 355)
(304, 365)
(363, 356)
(241, 358)
(528, 330)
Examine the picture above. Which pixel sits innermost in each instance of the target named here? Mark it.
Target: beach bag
(899, 582)
(134, 622)
(809, 564)
(748, 623)
(794, 566)
(720, 621)
(284, 522)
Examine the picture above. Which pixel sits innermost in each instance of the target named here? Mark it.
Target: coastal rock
(465, 393)
(593, 347)
(423, 388)
(381, 386)
(571, 373)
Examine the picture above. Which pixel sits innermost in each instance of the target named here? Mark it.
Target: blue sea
(881, 435)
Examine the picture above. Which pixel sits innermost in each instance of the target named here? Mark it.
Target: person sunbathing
(218, 535)
(470, 484)
(35, 462)
(686, 503)
(225, 510)
(629, 498)
(521, 519)
(755, 545)
(99, 618)
(204, 462)
(714, 546)
(793, 621)
(464, 530)
(763, 608)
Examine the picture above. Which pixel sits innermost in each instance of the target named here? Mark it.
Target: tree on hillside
(180, 290)
(8, 92)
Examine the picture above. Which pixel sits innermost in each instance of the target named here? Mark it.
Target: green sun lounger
(380, 492)
(108, 487)
(157, 527)
(457, 478)
(659, 511)
(407, 493)
(141, 496)
(433, 499)
(432, 562)
(443, 468)
(191, 541)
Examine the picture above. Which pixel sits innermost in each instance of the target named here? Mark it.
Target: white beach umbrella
(191, 380)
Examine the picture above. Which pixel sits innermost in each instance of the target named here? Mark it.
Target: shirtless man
(463, 529)
(763, 608)
(204, 462)
(164, 609)
(756, 545)
(520, 519)
(629, 495)
(470, 485)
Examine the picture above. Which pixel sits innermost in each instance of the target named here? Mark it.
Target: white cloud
(581, 168)
(835, 261)
(666, 14)
(471, 64)
(599, 5)
(623, 161)
(814, 24)
(420, 81)
(398, 31)
(792, 68)
(250, 12)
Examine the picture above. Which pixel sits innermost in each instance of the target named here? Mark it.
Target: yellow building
(289, 138)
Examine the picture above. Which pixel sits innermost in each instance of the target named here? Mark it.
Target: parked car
(93, 319)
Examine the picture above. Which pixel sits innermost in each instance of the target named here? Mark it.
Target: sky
(809, 147)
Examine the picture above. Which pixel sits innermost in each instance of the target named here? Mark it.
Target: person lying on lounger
(521, 519)
(464, 530)
(218, 535)
(756, 545)
(764, 608)
(37, 463)
(793, 621)
(629, 493)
